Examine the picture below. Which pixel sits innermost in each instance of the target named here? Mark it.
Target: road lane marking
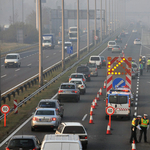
(47, 56)
(3, 76)
(29, 65)
(136, 99)
(54, 54)
(17, 70)
(84, 117)
(135, 108)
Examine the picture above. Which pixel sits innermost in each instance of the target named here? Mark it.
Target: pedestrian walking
(134, 126)
(141, 68)
(144, 125)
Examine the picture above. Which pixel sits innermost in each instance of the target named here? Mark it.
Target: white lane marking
(84, 117)
(138, 80)
(54, 54)
(17, 70)
(137, 91)
(137, 85)
(15, 131)
(136, 103)
(136, 99)
(137, 88)
(135, 108)
(47, 56)
(3, 76)
(2, 65)
(136, 95)
(135, 114)
(29, 65)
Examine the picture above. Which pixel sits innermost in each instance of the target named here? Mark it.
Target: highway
(120, 127)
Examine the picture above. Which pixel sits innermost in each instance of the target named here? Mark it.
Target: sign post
(5, 109)
(110, 111)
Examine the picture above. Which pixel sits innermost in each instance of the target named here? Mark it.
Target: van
(13, 60)
(61, 142)
(110, 44)
(96, 59)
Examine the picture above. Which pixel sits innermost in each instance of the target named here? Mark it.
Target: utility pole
(37, 27)
(101, 19)
(109, 17)
(78, 36)
(88, 26)
(105, 17)
(112, 18)
(95, 24)
(13, 10)
(40, 46)
(63, 54)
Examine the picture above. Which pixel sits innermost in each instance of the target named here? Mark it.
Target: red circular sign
(5, 109)
(96, 37)
(110, 110)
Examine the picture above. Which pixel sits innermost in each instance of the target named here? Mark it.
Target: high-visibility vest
(141, 66)
(144, 122)
(148, 62)
(140, 59)
(133, 121)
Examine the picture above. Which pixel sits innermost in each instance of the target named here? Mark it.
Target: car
(85, 70)
(110, 44)
(12, 60)
(96, 59)
(45, 117)
(118, 39)
(74, 128)
(133, 60)
(84, 31)
(23, 142)
(137, 42)
(51, 103)
(122, 34)
(126, 32)
(136, 68)
(93, 69)
(78, 76)
(68, 91)
(134, 31)
(79, 83)
(66, 44)
(103, 60)
(116, 49)
(60, 42)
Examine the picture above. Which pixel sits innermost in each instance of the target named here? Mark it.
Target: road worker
(144, 125)
(141, 68)
(148, 64)
(134, 126)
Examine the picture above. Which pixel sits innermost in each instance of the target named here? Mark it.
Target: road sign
(110, 110)
(69, 49)
(118, 82)
(5, 109)
(96, 37)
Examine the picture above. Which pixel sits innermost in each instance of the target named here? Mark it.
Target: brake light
(106, 102)
(89, 75)
(7, 148)
(53, 119)
(70, 79)
(35, 119)
(82, 86)
(57, 109)
(96, 69)
(60, 91)
(74, 91)
(115, 39)
(112, 48)
(85, 137)
(103, 60)
(35, 148)
(129, 102)
(83, 79)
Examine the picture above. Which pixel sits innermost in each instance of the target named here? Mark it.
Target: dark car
(118, 39)
(85, 70)
(103, 60)
(23, 142)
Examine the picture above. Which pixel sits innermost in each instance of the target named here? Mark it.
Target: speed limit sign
(110, 110)
(5, 109)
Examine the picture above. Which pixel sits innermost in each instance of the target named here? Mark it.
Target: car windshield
(116, 46)
(82, 69)
(11, 57)
(76, 76)
(67, 44)
(46, 41)
(134, 65)
(76, 82)
(45, 112)
(91, 65)
(118, 99)
(73, 129)
(67, 87)
(95, 58)
(47, 104)
(112, 43)
(23, 143)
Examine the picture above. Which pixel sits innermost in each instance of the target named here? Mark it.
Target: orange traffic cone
(93, 105)
(91, 119)
(100, 92)
(91, 111)
(104, 84)
(95, 100)
(98, 96)
(133, 145)
(108, 129)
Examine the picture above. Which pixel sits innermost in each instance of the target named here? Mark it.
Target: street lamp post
(78, 37)
(88, 25)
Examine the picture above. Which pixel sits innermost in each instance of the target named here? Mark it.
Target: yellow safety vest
(133, 121)
(144, 122)
(148, 62)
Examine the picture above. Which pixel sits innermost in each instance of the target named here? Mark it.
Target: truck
(48, 41)
(119, 70)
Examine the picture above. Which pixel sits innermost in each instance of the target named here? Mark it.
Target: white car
(137, 42)
(134, 31)
(96, 59)
(79, 83)
(78, 76)
(110, 44)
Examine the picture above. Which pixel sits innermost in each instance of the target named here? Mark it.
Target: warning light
(112, 69)
(109, 63)
(122, 73)
(112, 73)
(124, 59)
(109, 58)
(121, 61)
(129, 58)
(115, 72)
(109, 66)
(108, 72)
(119, 73)
(117, 65)
(108, 69)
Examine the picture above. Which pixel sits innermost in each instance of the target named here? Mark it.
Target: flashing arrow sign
(118, 82)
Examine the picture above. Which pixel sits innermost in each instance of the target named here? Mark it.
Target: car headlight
(5, 62)
(15, 62)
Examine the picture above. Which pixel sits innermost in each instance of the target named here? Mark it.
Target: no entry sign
(110, 110)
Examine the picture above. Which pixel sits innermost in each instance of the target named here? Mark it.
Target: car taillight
(60, 91)
(35, 119)
(82, 86)
(70, 79)
(85, 137)
(74, 91)
(83, 79)
(89, 75)
(103, 60)
(106, 102)
(96, 69)
(112, 48)
(57, 109)
(35, 148)
(7, 148)
(53, 119)
(129, 102)
(115, 39)
(100, 63)
(119, 48)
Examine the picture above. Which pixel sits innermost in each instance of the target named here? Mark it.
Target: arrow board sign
(118, 82)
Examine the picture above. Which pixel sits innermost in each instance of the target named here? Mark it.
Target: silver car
(116, 48)
(45, 117)
(78, 76)
(93, 69)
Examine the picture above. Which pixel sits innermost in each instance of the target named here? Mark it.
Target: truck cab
(48, 41)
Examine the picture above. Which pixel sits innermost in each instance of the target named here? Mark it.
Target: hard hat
(145, 115)
(139, 116)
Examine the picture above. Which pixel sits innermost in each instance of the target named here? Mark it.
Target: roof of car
(72, 123)
(76, 79)
(23, 136)
(68, 83)
(47, 100)
(13, 54)
(77, 74)
(46, 109)
(68, 42)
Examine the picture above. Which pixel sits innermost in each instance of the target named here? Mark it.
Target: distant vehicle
(80, 84)
(12, 60)
(72, 33)
(93, 69)
(103, 60)
(134, 31)
(85, 31)
(61, 142)
(96, 59)
(45, 117)
(85, 70)
(23, 142)
(122, 34)
(137, 42)
(78, 76)
(74, 128)
(59, 41)
(66, 44)
(51, 103)
(48, 41)
(68, 91)
(110, 44)
(118, 39)
(116, 49)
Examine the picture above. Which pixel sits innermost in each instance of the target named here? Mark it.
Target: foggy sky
(29, 5)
